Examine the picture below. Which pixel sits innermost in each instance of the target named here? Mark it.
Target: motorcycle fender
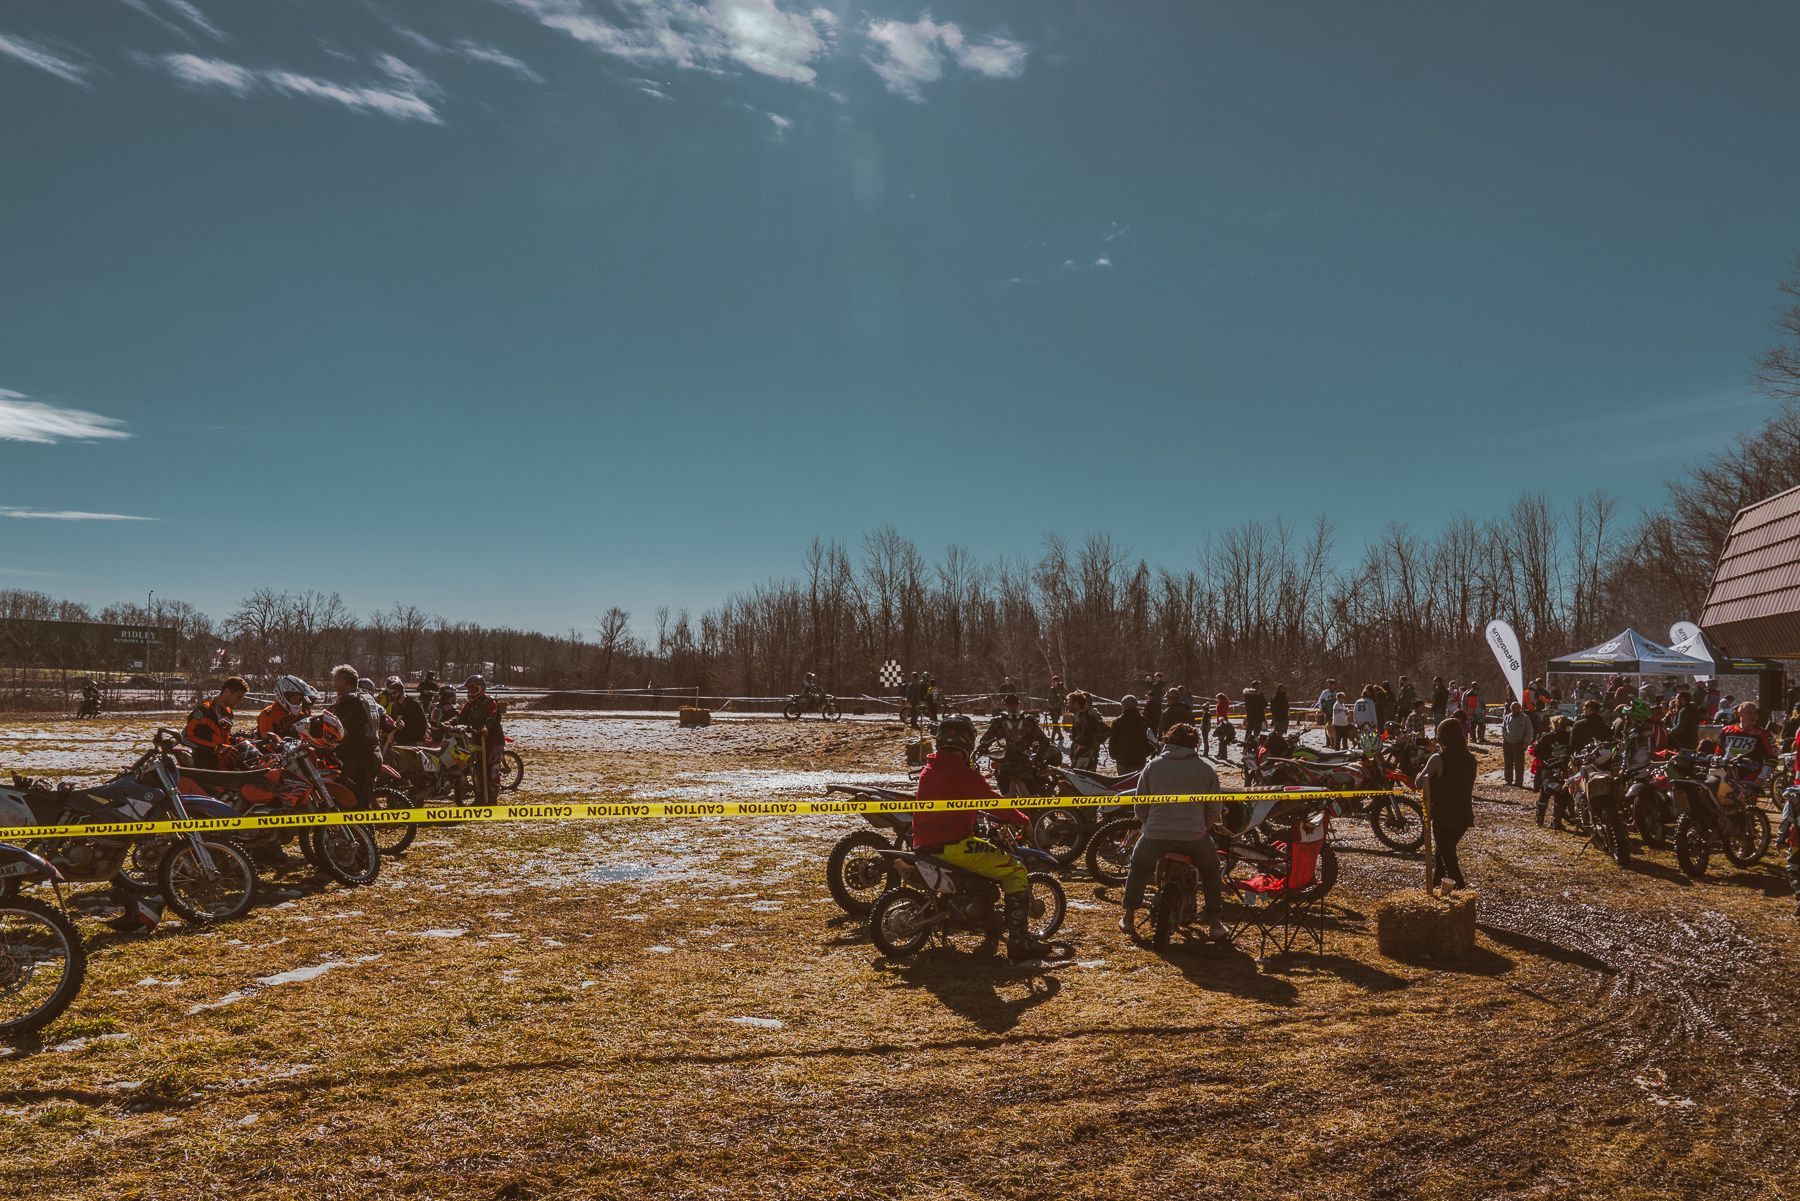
(205, 806)
(19, 863)
(1690, 796)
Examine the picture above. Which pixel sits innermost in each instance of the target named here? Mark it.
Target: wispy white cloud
(401, 102)
(647, 90)
(209, 72)
(1102, 261)
(473, 51)
(26, 571)
(493, 56)
(761, 35)
(41, 56)
(407, 76)
(23, 419)
(193, 16)
(782, 124)
(67, 515)
(1115, 231)
(909, 55)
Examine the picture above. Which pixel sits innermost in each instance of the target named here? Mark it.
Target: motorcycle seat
(207, 775)
(1111, 783)
(1174, 858)
(880, 794)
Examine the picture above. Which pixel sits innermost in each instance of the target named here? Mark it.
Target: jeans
(1790, 834)
(1513, 756)
(1143, 868)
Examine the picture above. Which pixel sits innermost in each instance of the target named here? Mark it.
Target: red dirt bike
(1397, 818)
(288, 779)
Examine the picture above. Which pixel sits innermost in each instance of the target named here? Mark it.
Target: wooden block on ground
(1415, 926)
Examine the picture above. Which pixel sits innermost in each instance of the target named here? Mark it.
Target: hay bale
(1417, 927)
(695, 715)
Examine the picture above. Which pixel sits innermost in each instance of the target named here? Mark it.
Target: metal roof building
(1753, 606)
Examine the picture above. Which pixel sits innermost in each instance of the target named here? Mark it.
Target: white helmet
(292, 684)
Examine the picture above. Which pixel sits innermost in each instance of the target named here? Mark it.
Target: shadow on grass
(1478, 962)
(972, 985)
(1531, 944)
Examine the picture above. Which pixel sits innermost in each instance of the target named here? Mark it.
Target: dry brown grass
(1629, 1039)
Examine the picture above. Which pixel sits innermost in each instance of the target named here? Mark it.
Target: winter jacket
(1179, 769)
(1516, 728)
(949, 776)
(1364, 711)
(1130, 740)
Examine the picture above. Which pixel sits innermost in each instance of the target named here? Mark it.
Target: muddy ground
(676, 1009)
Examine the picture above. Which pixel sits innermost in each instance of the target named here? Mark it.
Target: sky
(520, 309)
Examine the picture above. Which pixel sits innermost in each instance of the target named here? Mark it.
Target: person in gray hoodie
(1178, 827)
(1515, 732)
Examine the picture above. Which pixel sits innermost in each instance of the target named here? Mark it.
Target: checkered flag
(891, 675)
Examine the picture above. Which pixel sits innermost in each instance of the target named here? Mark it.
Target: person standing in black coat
(1176, 708)
(1684, 724)
(1450, 794)
(1130, 740)
(1278, 710)
(1153, 702)
(1256, 707)
(1440, 698)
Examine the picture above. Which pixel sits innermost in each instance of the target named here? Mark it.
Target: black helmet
(957, 733)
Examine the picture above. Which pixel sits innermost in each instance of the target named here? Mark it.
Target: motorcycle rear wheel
(897, 924)
(34, 939)
(392, 838)
(791, 710)
(1748, 839)
(857, 876)
(199, 901)
(1109, 850)
(1648, 815)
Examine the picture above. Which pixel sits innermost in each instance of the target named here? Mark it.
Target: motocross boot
(1019, 942)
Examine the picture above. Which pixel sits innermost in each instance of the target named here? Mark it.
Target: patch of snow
(659, 949)
(445, 932)
(301, 974)
(77, 1044)
(759, 1023)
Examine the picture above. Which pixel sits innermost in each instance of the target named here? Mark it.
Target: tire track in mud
(1674, 980)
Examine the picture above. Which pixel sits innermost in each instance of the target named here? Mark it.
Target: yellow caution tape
(623, 809)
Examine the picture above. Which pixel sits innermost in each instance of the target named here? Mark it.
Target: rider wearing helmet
(443, 711)
(950, 835)
(408, 714)
(1025, 746)
(293, 697)
(322, 730)
(482, 717)
(209, 725)
(810, 692)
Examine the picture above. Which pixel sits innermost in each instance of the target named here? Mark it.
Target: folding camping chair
(1286, 909)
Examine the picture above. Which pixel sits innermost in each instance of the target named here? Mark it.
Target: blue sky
(517, 309)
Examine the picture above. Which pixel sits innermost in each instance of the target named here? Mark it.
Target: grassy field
(676, 1009)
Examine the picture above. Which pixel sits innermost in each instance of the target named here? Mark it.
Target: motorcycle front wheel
(199, 899)
(1060, 834)
(345, 853)
(856, 874)
(829, 710)
(1109, 850)
(1398, 823)
(1648, 814)
(900, 924)
(42, 965)
(1693, 846)
(1049, 906)
(512, 774)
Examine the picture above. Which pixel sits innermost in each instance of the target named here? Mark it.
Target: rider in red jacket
(950, 835)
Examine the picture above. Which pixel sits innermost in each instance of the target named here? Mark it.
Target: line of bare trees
(1264, 599)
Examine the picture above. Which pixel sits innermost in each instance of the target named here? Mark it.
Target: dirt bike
(1599, 804)
(203, 877)
(1396, 818)
(449, 771)
(1656, 801)
(824, 704)
(856, 872)
(1063, 833)
(90, 707)
(291, 780)
(1253, 836)
(1722, 813)
(42, 959)
(1169, 902)
(938, 898)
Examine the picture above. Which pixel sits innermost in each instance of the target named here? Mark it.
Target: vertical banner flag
(1505, 644)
